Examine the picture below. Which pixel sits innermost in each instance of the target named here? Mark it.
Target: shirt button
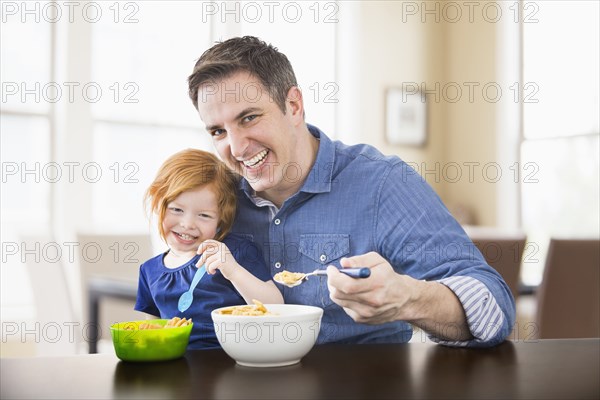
(323, 258)
(277, 221)
(277, 265)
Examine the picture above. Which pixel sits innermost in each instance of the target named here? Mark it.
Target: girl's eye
(175, 209)
(205, 216)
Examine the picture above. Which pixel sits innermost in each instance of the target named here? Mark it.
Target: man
(314, 203)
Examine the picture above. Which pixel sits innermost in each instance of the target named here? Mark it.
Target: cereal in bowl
(174, 322)
(251, 310)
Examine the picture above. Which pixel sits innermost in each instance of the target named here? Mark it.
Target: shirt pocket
(320, 250)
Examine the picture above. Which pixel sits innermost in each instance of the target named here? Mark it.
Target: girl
(194, 198)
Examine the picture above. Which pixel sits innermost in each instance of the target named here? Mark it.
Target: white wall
(379, 51)
(388, 44)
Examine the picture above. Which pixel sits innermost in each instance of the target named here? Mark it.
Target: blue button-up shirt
(356, 200)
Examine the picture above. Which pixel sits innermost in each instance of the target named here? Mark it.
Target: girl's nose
(186, 222)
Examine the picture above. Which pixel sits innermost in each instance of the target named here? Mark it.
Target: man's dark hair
(249, 54)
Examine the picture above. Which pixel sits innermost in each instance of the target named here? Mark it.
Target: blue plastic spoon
(186, 299)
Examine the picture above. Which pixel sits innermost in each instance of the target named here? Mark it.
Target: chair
(110, 258)
(503, 251)
(569, 295)
(56, 330)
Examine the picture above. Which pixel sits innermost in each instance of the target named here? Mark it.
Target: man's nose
(238, 143)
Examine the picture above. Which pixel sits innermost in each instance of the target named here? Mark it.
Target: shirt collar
(319, 177)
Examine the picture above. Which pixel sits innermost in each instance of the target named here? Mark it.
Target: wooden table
(538, 369)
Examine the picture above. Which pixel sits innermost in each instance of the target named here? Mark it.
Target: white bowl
(282, 338)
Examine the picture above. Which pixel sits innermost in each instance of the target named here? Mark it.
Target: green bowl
(143, 345)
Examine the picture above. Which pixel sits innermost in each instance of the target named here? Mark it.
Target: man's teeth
(186, 237)
(254, 161)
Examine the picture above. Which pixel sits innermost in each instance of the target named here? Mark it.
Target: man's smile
(257, 160)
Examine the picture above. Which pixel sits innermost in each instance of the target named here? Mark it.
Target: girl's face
(189, 220)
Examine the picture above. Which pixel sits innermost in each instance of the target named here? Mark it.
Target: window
(142, 64)
(82, 85)
(25, 149)
(25, 122)
(560, 148)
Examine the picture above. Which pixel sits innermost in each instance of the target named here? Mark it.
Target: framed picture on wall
(406, 117)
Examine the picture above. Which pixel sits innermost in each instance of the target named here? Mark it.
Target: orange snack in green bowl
(133, 341)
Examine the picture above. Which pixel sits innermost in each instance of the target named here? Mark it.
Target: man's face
(251, 133)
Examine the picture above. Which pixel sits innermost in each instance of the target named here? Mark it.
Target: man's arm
(388, 296)
(426, 270)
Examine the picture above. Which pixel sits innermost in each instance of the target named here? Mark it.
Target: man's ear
(295, 103)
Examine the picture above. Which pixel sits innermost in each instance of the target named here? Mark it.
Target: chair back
(114, 257)
(56, 331)
(504, 255)
(569, 295)
(503, 251)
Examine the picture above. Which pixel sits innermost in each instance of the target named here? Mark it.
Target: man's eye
(218, 132)
(249, 118)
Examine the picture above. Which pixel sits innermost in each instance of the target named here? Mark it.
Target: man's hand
(375, 300)
(387, 296)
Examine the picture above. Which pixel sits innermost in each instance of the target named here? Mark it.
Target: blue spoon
(186, 299)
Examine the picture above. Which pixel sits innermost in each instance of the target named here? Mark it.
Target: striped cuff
(484, 316)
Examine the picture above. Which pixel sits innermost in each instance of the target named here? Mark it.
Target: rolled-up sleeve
(484, 316)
